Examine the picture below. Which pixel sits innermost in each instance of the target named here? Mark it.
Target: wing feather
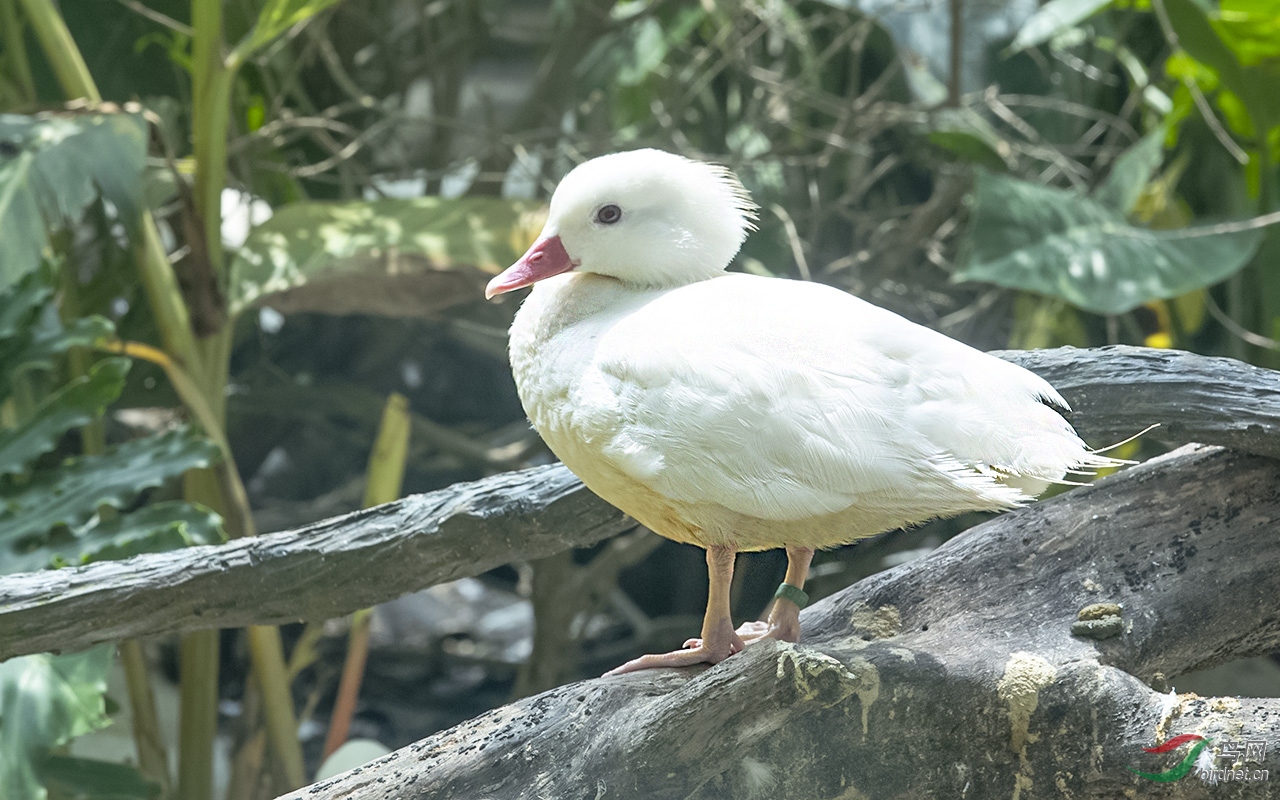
(784, 400)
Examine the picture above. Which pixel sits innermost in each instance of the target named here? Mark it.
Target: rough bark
(317, 572)
(1117, 391)
(343, 564)
(953, 676)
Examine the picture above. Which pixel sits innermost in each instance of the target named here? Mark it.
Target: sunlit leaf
(52, 167)
(1053, 18)
(45, 701)
(1202, 37)
(390, 257)
(1059, 243)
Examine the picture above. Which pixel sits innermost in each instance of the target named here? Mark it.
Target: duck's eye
(608, 214)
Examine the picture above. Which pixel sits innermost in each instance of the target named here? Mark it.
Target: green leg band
(793, 593)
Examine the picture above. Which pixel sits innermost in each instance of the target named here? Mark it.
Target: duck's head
(645, 217)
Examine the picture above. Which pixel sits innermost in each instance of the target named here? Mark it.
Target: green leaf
(1025, 236)
(1053, 18)
(390, 257)
(1199, 35)
(649, 49)
(156, 528)
(1132, 172)
(276, 17)
(100, 780)
(31, 332)
(969, 136)
(72, 494)
(1252, 29)
(77, 403)
(52, 167)
(46, 700)
(152, 529)
(35, 348)
(20, 303)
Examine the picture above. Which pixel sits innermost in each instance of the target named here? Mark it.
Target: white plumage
(742, 413)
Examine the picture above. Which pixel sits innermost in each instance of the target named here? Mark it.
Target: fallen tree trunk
(355, 561)
(957, 675)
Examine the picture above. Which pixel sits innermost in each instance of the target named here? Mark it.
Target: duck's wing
(784, 400)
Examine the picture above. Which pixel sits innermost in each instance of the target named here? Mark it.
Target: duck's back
(761, 412)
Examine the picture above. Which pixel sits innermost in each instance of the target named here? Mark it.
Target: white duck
(737, 412)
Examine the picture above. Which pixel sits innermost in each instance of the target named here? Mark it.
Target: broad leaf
(20, 303)
(47, 339)
(1053, 18)
(52, 167)
(100, 780)
(391, 257)
(155, 528)
(32, 334)
(45, 701)
(78, 403)
(276, 17)
(1025, 236)
(151, 529)
(969, 136)
(1132, 172)
(1248, 73)
(72, 494)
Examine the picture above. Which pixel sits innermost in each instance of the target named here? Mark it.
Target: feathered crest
(739, 197)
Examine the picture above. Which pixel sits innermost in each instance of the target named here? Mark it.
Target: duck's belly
(709, 524)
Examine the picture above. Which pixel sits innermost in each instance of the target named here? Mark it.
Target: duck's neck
(563, 316)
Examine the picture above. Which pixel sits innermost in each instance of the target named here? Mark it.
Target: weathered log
(317, 572)
(351, 562)
(1117, 391)
(953, 676)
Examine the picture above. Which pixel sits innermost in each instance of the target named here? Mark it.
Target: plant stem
(76, 82)
(198, 672)
(60, 49)
(344, 706)
(268, 663)
(383, 482)
(165, 297)
(16, 50)
(152, 758)
(955, 67)
(210, 115)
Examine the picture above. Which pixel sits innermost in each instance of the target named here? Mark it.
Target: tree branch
(956, 675)
(317, 572)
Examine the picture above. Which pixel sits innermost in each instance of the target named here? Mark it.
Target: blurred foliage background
(230, 232)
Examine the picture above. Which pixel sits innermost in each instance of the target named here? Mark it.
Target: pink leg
(783, 621)
(719, 641)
